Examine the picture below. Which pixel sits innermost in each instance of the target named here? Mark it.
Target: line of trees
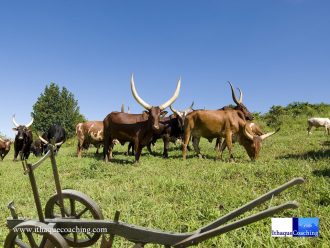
(277, 114)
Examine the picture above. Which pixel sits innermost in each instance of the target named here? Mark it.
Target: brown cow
(136, 128)
(256, 130)
(222, 123)
(239, 106)
(37, 147)
(89, 132)
(4, 147)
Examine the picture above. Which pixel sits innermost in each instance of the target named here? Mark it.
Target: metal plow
(69, 210)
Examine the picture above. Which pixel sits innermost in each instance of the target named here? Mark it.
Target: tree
(55, 106)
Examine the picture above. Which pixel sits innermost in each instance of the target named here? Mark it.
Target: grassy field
(177, 195)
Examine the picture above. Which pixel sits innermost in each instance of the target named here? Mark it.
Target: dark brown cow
(23, 140)
(226, 123)
(89, 132)
(4, 147)
(37, 148)
(136, 128)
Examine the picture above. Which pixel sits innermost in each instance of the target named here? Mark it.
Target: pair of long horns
(46, 142)
(240, 101)
(262, 137)
(123, 109)
(148, 106)
(17, 125)
(178, 111)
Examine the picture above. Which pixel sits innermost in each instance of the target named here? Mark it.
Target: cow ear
(14, 128)
(163, 113)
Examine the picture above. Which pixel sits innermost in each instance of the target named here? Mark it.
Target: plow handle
(197, 238)
(252, 204)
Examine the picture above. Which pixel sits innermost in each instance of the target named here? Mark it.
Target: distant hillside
(279, 115)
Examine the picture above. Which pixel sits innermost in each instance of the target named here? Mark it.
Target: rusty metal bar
(57, 180)
(35, 193)
(252, 204)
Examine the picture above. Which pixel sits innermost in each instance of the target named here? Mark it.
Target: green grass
(176, 195)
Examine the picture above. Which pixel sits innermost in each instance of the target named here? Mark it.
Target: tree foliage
(277, 114)
(56, 106)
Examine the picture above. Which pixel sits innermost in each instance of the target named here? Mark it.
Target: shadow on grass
(326, 143)
(322, 173)
(315, 155)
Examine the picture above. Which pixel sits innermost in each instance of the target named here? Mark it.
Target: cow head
(5, 147)
(37, 148)
(239, 103)
(46, 143)
(182, 114)
(252, 142)
(155, 113)
(23, 131)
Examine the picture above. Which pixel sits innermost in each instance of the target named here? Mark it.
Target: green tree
(56, 106)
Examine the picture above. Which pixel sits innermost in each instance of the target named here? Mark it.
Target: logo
(295, 227)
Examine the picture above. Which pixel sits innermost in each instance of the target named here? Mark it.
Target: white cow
(318, 122)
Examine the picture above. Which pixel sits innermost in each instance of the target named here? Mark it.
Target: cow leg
(166, 142)
(186, 140)
(79, 147)
(222, 147)
(217, 144)
(229, 144)
(107, 149)
(138, 149)
(16, 151)
(309, 129)
(195, 141)
(79, 150)
(130, 147)
(149, 149)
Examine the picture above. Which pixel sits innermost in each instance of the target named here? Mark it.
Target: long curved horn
(173, 98)
(192, 104)
(136, 96)
(59, 143)
(174, 111)
(266, 135)
(122, 108)
(14, 121)
(43, 140)
(30, 123)
(247, 133)
(240, 95)
(233, 94)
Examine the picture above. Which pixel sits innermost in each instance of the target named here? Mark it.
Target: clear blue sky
(277, 52)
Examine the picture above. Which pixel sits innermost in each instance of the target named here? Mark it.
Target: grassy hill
(176, 195)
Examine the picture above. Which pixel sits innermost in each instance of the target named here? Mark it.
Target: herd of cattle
(226, 125)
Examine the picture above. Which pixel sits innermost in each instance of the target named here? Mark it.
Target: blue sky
(277, 52)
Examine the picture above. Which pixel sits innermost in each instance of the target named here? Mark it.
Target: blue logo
(305, 227)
